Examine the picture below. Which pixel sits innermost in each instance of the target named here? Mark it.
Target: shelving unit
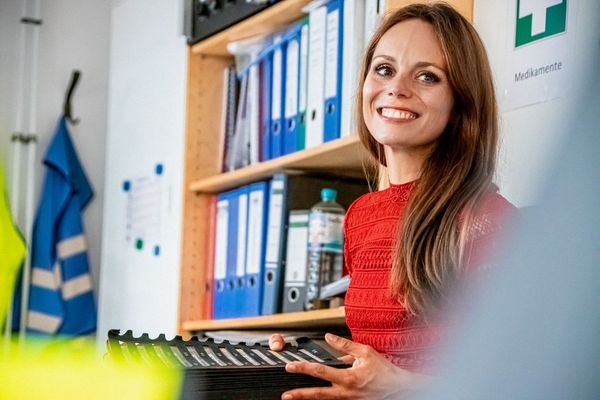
(202, 170)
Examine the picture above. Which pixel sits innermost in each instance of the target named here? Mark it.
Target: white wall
(10, 13)
(148, 53)
(533, 135)
(74, 35)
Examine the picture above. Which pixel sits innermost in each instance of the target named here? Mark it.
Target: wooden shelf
(303, 320)
(345, 155)
(272, 19)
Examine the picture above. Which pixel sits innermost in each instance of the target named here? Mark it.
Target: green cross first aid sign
(539, 50)
(538, 19)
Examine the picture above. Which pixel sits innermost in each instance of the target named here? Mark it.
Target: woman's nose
(399, 87)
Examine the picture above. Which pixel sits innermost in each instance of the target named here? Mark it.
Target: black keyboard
(224, 369)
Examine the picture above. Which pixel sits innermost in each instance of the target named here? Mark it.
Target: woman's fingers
(333, 375)
(347, 346)
(276, 342)
(317, 393)
(347, 359)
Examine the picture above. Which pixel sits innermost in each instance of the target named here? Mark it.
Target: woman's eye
(428, 77)
(384, 70)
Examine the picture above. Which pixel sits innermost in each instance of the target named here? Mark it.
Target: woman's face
(407, 99)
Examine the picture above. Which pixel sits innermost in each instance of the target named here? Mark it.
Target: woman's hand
(370, 377)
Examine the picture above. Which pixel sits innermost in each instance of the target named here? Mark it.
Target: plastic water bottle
(325, 242)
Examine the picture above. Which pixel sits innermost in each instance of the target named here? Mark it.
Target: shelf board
(304, 320)
(279, 16)
(272, 19)
(345, 156)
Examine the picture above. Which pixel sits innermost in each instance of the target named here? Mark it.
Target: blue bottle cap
(328, 194)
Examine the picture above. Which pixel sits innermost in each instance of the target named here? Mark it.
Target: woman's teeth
(397, 114)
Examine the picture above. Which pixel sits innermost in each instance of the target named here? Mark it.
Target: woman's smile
(393, 114)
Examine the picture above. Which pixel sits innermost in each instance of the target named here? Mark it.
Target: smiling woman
(428, 115)
(435, 66)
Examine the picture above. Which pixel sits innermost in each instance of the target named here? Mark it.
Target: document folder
(295, 261)
(266, 76)
(257, 237)
(220, 297)
(239, 237)
(278, 98)
(292, 84)
(333, 70)
(303, 88)
(353, 47)
(316, 76)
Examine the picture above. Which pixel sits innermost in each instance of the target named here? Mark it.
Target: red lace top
(372, 314)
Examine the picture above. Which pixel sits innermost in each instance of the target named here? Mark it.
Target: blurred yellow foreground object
(12, 250)
(65, 370)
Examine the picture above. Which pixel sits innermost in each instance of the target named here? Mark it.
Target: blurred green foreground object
(74, 370)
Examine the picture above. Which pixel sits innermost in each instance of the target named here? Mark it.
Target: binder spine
(352, 49)
(333, 70)
(221, 255)
(292, 84)
(302, 90)
(295, 265)
(316, 77)
(266, 72)
(239, 292)
(278, 99)
(275, 239)
(257, 227)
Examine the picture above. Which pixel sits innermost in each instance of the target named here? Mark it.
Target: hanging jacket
(61, 299)
(12, 250)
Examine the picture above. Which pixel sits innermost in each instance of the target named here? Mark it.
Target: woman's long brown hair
(459, 170)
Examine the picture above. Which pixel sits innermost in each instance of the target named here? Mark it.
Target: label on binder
(291, 89)
(333, 26)
(221, 240)
(277, 81)
(255, 219)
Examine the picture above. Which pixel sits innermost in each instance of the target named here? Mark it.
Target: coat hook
(67, 104)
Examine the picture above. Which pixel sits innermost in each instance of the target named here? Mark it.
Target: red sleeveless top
(374, 317)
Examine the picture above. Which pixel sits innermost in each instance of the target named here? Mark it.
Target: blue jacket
(61, 299)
